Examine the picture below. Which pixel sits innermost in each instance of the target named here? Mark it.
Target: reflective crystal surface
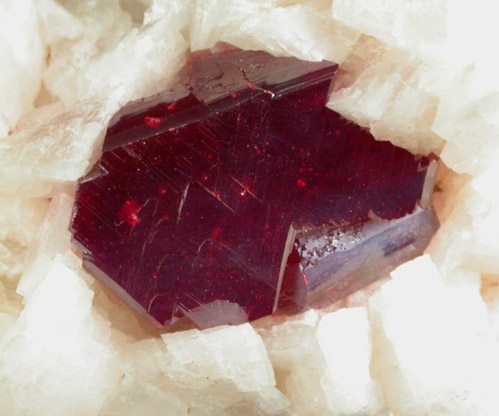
(331, 262)
(203, 192)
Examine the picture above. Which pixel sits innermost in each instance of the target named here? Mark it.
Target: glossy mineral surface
(194, 206)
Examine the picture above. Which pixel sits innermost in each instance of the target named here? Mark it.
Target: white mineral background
(422, 74)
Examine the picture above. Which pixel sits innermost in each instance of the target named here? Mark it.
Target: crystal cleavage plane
(238, 193)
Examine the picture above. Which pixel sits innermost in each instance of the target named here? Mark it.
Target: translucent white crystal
(23, 60)
(12, 256)
(483, 251)
(299, 31)
(245, 366)
(291, 344)
(345, 340)
(416, 26)
(212, 372)
(468, 119)
(19, 220)
(56, 146)
(456, 215)
(20, 217)
(84, 30)
(422, 75)
(380, 87)
(467, 114)
(52, 239)
(336, 350)
(407, 121)
(217, 357)
(289, 341)
(58, 25)
(60, 145)
(137, 398)
(182, 9)
(469, 214)
(141, 64)
(431, 355)
(214, 17)
(56, 359)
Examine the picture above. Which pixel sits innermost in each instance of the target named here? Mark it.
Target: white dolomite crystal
(57, 146)
(52, 240)
(182, 9)
(142, 64)
(213, 18)
(60, 145)
(289, 341)
(138, 398)
(12, 256)
(22, 53)
(322, 363)
(483, 251)
(56, 359)
(415, 26)
(449, 246)
(469, 214)
(236, 373)
(211, 372)
(438, 358)
(433, 30)
(20, 217)
(85, 31)
(381, 88)
(468, 117)
(420, 74)
(298, 31)
(345, 340)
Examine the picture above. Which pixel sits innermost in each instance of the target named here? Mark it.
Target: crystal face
(331, 262)
(203, 192)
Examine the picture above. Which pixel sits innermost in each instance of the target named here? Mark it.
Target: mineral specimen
(203, 192)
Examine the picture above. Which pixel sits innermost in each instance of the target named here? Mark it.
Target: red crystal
(200, 191)
(331, 262)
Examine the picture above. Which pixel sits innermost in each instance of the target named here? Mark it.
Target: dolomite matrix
(238, 192)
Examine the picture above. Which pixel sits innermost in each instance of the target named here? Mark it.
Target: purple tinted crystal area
(194, 206)
(331, 262)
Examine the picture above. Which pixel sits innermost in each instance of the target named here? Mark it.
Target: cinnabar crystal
(202, 193)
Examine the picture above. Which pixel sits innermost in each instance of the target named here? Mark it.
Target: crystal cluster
(421, 75)
(200, 192)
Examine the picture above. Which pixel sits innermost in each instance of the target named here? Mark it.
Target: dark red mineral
(203, 192)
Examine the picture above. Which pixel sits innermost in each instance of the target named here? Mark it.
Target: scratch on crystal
(182, 201)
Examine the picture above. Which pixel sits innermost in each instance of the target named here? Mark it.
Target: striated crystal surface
(203, 192)
(331, 262)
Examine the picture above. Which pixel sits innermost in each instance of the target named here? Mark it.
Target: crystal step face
(202, 192)
(331, 262)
